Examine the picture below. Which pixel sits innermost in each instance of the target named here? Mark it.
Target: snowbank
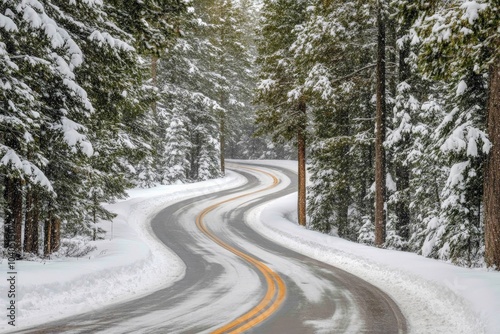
(132, 264)
(436, 297)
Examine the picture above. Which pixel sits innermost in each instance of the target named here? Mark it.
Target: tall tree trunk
(14, 214)
(343, 212)
(8, 227)
(55, 235)
(380, 191)
(301, 153)
(492, 175)
(47, 237)
(402, 206)
(344, 194)
(36, 221)
(223, 97)
(94, 215)
(402, 170)
(222, 144)
(52, 237)
(154, 79)
(29, 223)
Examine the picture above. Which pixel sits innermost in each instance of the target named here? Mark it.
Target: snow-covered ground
(133, 263)
(436, 297)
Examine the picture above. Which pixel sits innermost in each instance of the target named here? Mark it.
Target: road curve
(227, 289)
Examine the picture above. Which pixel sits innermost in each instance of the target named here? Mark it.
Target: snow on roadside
(132, 264)
(436, 297)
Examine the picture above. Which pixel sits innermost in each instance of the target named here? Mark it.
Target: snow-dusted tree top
(60, 54)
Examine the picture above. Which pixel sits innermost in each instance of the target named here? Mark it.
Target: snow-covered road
(219, 286)
(434, 297)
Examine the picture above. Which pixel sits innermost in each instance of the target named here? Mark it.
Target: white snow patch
(461, 87)
(472, 9)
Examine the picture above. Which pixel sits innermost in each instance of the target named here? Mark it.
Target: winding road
(238, 281)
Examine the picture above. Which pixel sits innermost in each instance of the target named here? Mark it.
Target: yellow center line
(276, 289)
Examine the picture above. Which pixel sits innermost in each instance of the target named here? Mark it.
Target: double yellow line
(276, 289)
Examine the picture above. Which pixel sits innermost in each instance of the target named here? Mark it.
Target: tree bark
(154, 78)
(8, 232)
(403, 170)
(14, 214)
(492, 174)
(36, 222)
(380, 191)
(29, 223)
(301, 153)
(222, 144)
(55, 235)
(47, 235)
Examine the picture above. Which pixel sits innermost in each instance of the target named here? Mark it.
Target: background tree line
(398, 101)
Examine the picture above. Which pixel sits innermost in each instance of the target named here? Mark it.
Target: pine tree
(177, 146)
(336, 72)
(186, 78)
(466, 139)
(283, 114)
(204, 81)
(32, 35)
(380, 129)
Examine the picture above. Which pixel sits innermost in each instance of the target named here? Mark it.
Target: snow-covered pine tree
(186, 77)
(153, 28)
(235, 67)
(460, 44)
(18, 122)
(41, 57)
(282, 112)
(176, 164)
(240, 140)
(336, 48)
(205, 78)
(112, 79)
(407, 92)
(227, 75)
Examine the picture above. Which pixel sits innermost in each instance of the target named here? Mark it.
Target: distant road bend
(238, 281)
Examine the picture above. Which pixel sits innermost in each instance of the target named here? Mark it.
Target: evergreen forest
(391, 106)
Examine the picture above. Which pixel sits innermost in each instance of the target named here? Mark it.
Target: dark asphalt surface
(218, 286)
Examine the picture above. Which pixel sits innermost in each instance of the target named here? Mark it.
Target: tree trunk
(344, 182)
(8, 232)
(29, 223)
(36, 222)
(222, 144)
(343, 212)
(380, 191)
(403, 170)
(55, 235)
(47, 238)
(301, 153)
(402, 206)
(492, 174)
(14, 214)
(154, 78)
